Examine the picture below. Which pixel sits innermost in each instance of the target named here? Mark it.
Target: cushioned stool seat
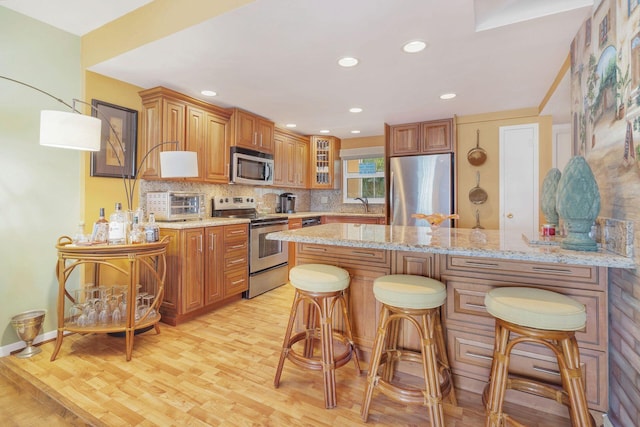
(416, 301)
(536, 316)
(322, 288)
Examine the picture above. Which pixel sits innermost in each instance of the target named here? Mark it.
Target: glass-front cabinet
(324, 156)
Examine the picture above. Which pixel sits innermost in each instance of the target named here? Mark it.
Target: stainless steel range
(267, 258)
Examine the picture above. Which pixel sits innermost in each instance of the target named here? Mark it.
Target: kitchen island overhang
(449, 241)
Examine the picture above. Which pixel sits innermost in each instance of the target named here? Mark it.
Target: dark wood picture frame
(110, 160)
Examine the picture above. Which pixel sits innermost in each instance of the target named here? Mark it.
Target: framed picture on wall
(118, 143)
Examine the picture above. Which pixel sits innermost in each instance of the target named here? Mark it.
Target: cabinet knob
(509, 215)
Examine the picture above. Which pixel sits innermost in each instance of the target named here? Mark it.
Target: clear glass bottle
(151, 230)
(136, 235)
(100, 233)
(118, 226)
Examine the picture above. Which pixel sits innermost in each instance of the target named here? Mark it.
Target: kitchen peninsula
(470, 263)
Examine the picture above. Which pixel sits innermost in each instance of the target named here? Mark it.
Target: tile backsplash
(266, 196)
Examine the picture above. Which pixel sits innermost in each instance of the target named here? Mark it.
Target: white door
(519, 179)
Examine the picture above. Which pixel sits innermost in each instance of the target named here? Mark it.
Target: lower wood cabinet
(470, 329)
(206, 267)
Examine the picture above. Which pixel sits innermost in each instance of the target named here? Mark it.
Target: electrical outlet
(324, 200)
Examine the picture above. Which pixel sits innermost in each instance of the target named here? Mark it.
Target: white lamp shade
(178, 164)
(70, 130)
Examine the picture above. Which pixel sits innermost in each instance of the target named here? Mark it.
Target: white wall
(39, 186)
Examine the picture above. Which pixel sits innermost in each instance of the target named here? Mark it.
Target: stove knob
(226, 200)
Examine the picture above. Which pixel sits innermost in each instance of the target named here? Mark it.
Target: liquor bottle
(100, 232)
(151, 230)
(117, 226)
(136, 235)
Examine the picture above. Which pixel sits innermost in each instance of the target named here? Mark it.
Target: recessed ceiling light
(347, 62)
(355, 131)
(355, 110)
(414, 46)
(290, 125)
(325, 131)
(208, 93)
(447, 96)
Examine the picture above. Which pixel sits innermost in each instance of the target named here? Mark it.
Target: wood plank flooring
(215, 370)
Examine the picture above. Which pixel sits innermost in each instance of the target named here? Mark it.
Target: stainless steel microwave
(251, 167)
(175, 205)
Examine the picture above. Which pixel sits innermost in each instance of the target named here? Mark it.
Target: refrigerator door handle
(391, 185)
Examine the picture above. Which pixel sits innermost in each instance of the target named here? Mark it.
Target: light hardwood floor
(215, 370)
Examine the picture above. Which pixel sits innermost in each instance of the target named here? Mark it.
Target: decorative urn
(578, 204)
(549, 196)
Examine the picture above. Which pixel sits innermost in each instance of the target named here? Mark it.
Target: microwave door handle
(267, 167)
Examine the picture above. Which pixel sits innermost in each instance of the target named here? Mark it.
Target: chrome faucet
(365, 202)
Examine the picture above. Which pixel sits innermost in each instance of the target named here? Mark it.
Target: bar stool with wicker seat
(536, 316)
(411, 300)
(322, 287)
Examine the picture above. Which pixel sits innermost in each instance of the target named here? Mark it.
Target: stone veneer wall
(604, 116)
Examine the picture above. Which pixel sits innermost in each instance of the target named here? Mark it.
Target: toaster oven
(175, 205)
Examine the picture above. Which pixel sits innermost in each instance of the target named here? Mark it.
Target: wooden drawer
(471, 353)
(571, 276)
(465, 305)
(236, 281)
(236, 248)
(236, 232)
(373, 256)
(234, 261)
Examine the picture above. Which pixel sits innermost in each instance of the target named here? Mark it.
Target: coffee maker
(287, 203)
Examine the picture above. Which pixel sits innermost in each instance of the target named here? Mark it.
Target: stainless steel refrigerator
(420, 184)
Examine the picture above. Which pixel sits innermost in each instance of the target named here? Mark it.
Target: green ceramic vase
(578, 204)
(549, 196)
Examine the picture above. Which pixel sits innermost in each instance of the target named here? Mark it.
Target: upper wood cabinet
(291, 159)
(252, 131)
(420, 138)
(324, 154)
(196, 126)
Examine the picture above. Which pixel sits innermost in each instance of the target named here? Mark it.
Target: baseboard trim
(6, 350)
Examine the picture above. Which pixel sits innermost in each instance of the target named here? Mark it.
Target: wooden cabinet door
(436, 137)
(213, 289)
(192, 291)
(290, 154)
(323, 153)
(404, 139)
(264, 135)
(280, 166)
(150, 135)
(195, 134)
(245, 129)
(301, 162)
(216, 149)
(172, 280)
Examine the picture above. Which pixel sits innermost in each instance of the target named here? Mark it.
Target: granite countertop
(453, 241)
(214, 222)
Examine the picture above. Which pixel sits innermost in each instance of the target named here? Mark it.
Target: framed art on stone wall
(118, 142)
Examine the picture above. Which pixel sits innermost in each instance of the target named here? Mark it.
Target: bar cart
(139, 263)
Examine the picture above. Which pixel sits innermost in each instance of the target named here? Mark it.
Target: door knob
(509, 215)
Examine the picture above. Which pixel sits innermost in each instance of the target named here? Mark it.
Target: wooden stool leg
(328, 363)
(573, 383)
(349, 334)
(433, 396)
(376, 353)
(444, 358)
(498, 378)
(286, 346)
(391, 349)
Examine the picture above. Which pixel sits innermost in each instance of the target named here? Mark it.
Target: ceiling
(278, 58)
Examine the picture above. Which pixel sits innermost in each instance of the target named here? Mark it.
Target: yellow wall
(489, 126)
(105, 192)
